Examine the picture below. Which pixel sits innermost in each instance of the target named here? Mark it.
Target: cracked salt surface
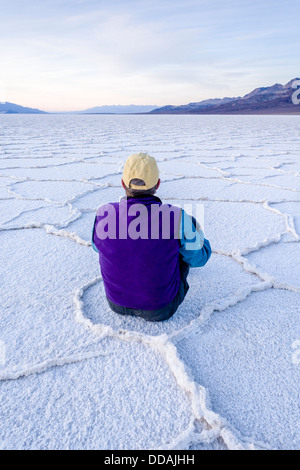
(204, 289)
(93, 403)
(218, 375)
(280, 262)
(243, 357)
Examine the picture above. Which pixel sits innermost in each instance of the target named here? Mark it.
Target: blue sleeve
(93, 233)
(194, 248)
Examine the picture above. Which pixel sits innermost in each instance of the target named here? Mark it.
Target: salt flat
(224, 372)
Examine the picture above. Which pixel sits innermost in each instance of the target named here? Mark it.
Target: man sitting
(145, 247)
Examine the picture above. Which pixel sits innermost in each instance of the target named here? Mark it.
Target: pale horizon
(69, 56)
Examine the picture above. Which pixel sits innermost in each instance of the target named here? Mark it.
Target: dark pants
(162, 313)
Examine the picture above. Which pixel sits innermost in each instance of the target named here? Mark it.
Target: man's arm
(194, 248)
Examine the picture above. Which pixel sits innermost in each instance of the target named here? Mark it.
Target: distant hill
(119, 109)
(276, 99)
(11, 108)
(187, 108)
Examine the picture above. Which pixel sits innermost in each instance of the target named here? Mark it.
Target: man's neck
(144, 196)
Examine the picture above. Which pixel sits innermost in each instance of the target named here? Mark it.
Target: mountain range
(119, 109)
(11, 108)
(276, 99)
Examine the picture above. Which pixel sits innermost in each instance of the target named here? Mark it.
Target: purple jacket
(139, 273)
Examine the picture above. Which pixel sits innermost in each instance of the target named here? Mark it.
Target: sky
(68, 55)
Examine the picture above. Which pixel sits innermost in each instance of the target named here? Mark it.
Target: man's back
(139, 257)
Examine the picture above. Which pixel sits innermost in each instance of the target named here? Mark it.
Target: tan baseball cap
(141, 166)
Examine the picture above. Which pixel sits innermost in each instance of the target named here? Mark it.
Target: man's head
(140, 175)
